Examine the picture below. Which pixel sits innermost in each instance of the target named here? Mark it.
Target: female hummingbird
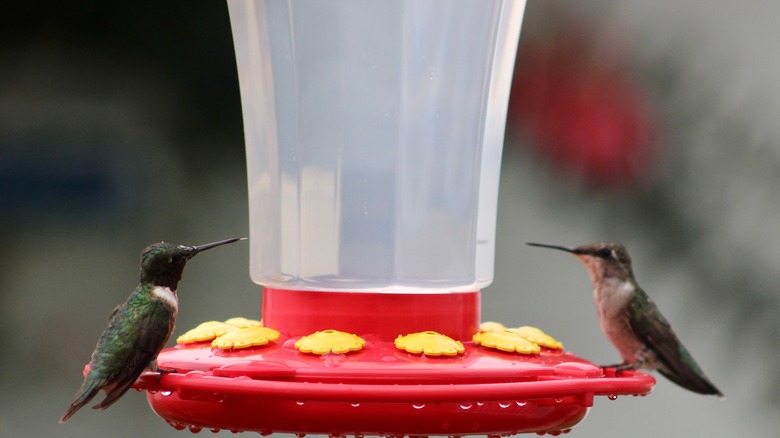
(139, 328)
(632, 322)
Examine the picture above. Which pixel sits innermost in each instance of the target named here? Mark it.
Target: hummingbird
(139, 328)
(631, 320)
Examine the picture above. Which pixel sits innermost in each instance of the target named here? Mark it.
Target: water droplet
(215, 430)
(504, 404)
(465, 405)
(300, 434)
(178, 426)
(354, 405)
(195, 428)
(612, 396)
(418, 405)
(166, 393)
(299, 403)
(359, 435)
(559, 400)
(219, 397)
(521, 403)
(266, 432)
(139, 389)
(152, 391)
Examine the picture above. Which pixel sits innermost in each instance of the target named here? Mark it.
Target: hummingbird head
(603, 260)
(163, 263)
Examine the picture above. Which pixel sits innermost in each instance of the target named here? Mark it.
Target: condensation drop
(178, 426)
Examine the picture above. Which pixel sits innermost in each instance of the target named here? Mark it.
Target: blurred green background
(648, 123)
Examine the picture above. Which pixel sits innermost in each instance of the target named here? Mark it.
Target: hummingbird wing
(136, 334)
(654, 330)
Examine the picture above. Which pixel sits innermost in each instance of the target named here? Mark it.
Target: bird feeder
(374, 134)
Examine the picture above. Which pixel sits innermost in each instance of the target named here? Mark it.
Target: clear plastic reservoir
(374, 132)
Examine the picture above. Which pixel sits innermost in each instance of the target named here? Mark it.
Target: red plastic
(387, 315)
(379, 390)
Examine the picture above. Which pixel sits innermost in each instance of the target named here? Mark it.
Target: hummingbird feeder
(374, 133)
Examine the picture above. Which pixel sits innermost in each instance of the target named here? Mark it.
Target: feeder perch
(374, 133)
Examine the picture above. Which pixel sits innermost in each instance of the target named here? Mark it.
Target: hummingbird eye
(606, 253)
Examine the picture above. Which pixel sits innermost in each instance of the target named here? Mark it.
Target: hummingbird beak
(558, 247)
(197, 249)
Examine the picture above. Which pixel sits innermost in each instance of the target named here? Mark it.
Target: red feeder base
(379, 390)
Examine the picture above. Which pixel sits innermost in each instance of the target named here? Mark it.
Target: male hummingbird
(631, 320)
(138, 328)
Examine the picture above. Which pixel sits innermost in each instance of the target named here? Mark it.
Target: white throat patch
(167, 295)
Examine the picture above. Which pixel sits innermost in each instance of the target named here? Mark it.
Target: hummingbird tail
(695, 383)
(83, 398)
(114, 394)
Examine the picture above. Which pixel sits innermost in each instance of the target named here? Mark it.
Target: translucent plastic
(374, 132)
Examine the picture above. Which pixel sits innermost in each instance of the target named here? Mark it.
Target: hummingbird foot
(623, 366)
(161, 372)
